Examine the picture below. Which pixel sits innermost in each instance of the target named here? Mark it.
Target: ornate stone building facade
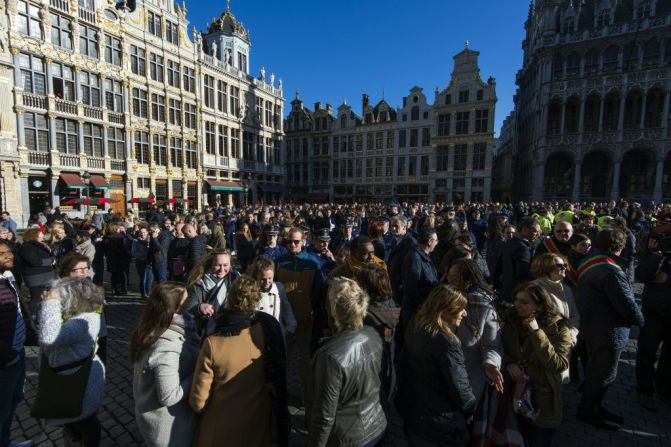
(419, 151)
(592, 109)
(135, 102)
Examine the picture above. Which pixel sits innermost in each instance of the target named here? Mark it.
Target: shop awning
(99, 182)
(269, 187)
(216, 185)
(72, 180)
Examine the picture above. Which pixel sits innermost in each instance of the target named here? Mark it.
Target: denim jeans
(657, 330)
(601, 373)
(145, 277)
(160, 272)
(12, 379)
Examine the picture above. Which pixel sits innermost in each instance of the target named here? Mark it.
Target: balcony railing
(87, 15)
(34, 101)
(70, 161)
(96, 162)
(65, 106)
(116, 118)
(39, 158)
(93, 112)
(118, 165)
(63, 5)
(224, 162)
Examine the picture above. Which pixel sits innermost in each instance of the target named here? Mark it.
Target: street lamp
(86, 176)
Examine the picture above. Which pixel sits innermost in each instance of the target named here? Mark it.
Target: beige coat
(229, 391)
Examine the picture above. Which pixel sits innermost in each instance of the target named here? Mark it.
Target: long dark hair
(471, 273)
(164, 300)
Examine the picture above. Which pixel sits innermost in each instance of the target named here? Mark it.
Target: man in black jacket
(419, 274)
(516, 257)
(158, 253)
(12, 355)
(607, 308)
(402, 245)
(197, 247)
(654, 269)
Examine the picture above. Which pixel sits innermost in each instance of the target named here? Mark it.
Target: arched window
(557, 67)
(610, 57)
(573, 64)
(651, 52)
(591, 62)
(630, 57)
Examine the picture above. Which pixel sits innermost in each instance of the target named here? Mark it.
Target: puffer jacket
(606, 303)
(543, 355)
(434, 395)
(655, 297)
(345, 405)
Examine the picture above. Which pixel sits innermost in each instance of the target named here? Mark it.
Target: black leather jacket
(434, 395)
(345, 405)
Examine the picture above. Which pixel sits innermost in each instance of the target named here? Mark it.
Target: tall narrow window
(63, 81)
(138, 61)
(36, 131)
(93, 140)
(481, 121)
(88, 43)
(156, 67)
(32, 74)
(112, 50)
(160, 150)
(28, 19)
(89, 88)
(173, 73)
(114, 95)
(142, 147)
(61, 33)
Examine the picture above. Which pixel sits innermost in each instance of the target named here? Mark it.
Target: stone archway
(558, 181)
(637, 174)
(597, 176)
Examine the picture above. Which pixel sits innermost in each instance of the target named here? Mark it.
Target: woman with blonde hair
(208, 286)
(239, 385)
(274, 300)
(550, 271)
(60, 242)
(217, 240)
(344, 407)
(435, 395)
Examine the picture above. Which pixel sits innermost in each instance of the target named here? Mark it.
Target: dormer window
(643, 10)
(448, 99)
(414, 113)
(568, 25)
(603, 18)
(368, 118)
(343, 121)
(383, 116)
(463, 96)
(479, 94)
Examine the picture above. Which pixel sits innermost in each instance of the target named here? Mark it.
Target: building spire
(298, 94)
(228, 5)
(466, 44)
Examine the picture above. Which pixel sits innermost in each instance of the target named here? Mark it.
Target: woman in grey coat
(164, 349)
(479, 332)
(68, 331)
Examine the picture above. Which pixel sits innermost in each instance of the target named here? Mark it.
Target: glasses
(296, 242)
(561, 266)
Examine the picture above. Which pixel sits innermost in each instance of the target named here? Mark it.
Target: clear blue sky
(334, 50)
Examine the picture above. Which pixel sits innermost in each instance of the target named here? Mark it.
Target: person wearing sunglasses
(550, 272)
(558, 243)
(305, 283)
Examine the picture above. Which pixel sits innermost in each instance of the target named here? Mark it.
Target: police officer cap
(447, 209)
(305, 229)
(271, 229)
(323, 235)
(349, 222)
(384, 218)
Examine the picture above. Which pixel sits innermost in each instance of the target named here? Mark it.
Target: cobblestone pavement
(119, 428)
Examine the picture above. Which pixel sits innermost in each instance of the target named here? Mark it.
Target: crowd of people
(466, 320)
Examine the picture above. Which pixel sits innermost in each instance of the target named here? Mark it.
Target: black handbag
(61, 396)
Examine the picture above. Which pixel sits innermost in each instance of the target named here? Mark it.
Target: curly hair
(243, 295)
(347, 304)
(78, 295)
(443, 301)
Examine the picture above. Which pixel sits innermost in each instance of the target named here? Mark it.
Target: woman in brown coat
(239, 385)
